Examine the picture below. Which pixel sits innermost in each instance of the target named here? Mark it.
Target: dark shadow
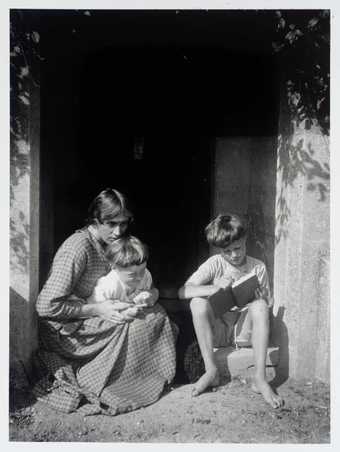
(19, 374)
(20, 399)
(189, 362)
(281, 340)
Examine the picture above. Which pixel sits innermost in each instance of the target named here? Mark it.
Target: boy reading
(228, 233)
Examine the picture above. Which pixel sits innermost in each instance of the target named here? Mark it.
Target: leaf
(282, 23)
(24, 72)
(24, 99)
(313, 22)
(277, 47)
(35, 37)
(319, 102)
(290, 36)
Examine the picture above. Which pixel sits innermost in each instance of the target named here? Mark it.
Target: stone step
(232, 362)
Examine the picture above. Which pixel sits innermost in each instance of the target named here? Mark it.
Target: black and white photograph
(169, 224)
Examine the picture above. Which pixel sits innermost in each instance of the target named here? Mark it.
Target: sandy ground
(230, 414)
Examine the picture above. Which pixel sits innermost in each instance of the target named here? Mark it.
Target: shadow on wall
(282, 341)
(19, 224)
(17, 320)
(18, 371)
(261, 239)
(294, 161)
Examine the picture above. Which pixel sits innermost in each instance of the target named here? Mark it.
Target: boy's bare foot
(209, 378)
(260, 386)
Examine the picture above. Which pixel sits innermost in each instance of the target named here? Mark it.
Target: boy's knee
(259, 308)
(199, 305)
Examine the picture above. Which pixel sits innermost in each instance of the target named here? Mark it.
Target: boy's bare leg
(201, 316)
(258, 310)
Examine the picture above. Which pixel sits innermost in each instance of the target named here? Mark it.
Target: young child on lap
(129, 281)
(228, 233)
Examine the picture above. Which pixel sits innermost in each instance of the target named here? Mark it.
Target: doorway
(125, 97)
(176, 101)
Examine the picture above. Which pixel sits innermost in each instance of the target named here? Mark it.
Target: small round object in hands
(142, 299)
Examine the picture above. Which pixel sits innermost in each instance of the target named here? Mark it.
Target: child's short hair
(127, 251)
(226, 229)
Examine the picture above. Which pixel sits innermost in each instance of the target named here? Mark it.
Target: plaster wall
(301, 276)
(284, 190)
(23, 271)
(24, 223)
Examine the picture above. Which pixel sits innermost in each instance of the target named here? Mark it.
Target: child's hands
(224, 282)
(144, 298)
(112, 310)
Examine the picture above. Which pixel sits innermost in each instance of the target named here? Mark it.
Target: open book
(239, 294)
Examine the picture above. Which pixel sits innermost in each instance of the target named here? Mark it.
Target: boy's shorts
(224, 328)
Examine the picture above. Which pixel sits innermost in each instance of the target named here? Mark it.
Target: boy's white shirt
(111, 287)
(216, 266)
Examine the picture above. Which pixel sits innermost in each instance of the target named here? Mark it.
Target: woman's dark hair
(107, 205)
(127, 251)
(226, 229)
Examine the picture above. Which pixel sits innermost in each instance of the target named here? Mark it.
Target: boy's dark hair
(226, 229)
(127, 251)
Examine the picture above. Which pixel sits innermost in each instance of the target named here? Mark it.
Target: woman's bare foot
(260, 386)
(209, 378)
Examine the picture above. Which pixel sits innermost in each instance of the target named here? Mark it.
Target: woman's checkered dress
(93, 364)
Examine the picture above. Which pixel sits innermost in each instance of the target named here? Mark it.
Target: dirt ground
(230, 414)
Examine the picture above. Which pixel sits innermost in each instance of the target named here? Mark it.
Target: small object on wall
(138, 149)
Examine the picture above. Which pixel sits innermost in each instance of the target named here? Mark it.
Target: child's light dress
(111, 287)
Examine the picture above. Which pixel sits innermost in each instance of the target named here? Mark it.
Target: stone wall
(24, 206)
(302, 251)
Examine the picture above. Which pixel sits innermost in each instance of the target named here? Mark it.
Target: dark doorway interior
(177, 100)
(127, 96)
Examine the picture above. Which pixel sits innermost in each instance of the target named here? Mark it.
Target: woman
(97, 355)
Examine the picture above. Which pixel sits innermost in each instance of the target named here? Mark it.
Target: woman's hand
(134, 312)
(113, 310)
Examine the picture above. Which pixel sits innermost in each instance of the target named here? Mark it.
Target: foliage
(23, 51)
(303, 46)
(303, 40)
(23, 57)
